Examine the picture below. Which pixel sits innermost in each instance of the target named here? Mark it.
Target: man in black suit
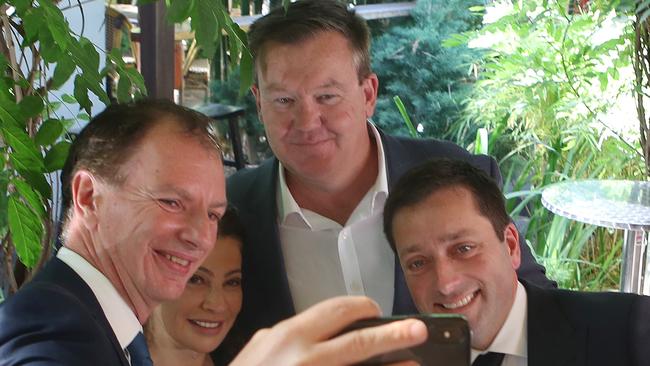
(459, 250)
(140, 216)
(316, 207)
(143, 193)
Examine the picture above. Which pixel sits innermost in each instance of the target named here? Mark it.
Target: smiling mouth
(203, 324)
(179, 261)
(460, 303)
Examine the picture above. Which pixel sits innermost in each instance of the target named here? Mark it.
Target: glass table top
(619, 204)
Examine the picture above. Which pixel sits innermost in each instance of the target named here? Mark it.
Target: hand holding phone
(448, 341)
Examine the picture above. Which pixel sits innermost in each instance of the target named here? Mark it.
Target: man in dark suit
(139, 219)
(143, 193)
(459, 250)
(315, 210)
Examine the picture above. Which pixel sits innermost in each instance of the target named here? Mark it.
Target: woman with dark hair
(184, 331)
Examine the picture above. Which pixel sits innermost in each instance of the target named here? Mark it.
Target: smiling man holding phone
(459, 250)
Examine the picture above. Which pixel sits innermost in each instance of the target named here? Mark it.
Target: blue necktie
(489, 359)
(139, 352)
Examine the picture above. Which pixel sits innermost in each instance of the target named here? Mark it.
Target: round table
(617, 204)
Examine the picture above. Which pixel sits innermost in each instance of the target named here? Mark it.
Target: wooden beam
(157, 50)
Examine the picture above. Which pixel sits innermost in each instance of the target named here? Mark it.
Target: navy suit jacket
(267, 297)
(569, 328)
(56, 320)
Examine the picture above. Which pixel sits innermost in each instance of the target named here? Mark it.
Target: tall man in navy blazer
(315, 210)
(459, 251)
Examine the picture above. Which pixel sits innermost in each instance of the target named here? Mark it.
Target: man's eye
(416, 264)
(283, 100)
(214, 216)
(327, 98)
(464, 248)
(169, 202)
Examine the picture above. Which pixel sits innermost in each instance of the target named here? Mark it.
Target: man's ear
(255, 89)
(370, 88)
(511, 237)
(84, 195)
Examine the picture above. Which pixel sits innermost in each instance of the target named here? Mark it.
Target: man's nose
(307, 116)
(200, 232)
(446, 277)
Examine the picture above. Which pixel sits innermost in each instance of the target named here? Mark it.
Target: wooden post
(157, 50)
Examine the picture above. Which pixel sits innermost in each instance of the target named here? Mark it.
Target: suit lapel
(552, 340)
(60, 274)
(402, 302)
(267, 260)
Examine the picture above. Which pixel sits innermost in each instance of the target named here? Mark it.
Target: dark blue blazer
(569, 328)
(267, 298)
(56, 320)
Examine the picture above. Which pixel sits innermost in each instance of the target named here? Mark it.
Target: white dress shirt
(123, 321)
(512, 339)
(324, 259)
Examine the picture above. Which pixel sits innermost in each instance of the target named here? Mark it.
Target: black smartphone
(448, 342)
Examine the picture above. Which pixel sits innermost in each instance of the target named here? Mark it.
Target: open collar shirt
(512, 339)
(324, 259)
(122, 319)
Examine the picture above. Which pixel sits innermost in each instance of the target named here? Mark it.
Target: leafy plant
(432, 81)
(550, 91)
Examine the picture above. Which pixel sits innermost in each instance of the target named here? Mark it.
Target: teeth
(177, 260)
(206, 324)
(462, 302)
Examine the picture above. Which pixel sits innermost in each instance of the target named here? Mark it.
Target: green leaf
(30, 106)
(205, 24)
(481, 144)
(124, 89)
(49, 132)
(56, 24)
(81, 93)
(21, 6)
(26, 231)
(405, 116)
(455, 40)
(246, 70)
(83, 116)
(602, 77)
(8, 110)
(4, 198)
(25, 152)
(89, 57)
(64, 69)
(37, 181)
(179, 10)
(33, 20)
(50, 50)
(137, 79)
(68, 99)
(31, 196)
(55, 157)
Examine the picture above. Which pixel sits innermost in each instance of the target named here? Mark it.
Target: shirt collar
(291, 214)
(123, 321)
(512, 338)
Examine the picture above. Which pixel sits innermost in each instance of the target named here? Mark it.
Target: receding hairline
(259, 59)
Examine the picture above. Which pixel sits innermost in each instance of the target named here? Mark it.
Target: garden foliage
(556, 93)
